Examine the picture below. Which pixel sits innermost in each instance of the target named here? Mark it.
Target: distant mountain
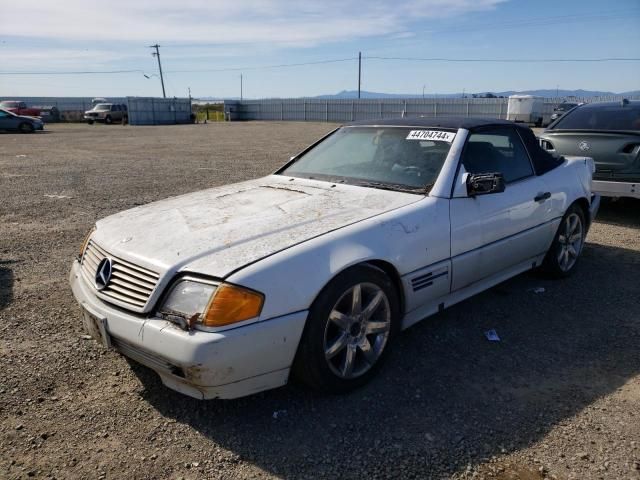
(547, 93)
(351, 94)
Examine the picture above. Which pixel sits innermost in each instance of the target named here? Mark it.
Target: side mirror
(484, 183)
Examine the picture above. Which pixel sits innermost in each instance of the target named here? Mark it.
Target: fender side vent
(426, 280)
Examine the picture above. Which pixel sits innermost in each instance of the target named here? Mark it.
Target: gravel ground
(558, 397)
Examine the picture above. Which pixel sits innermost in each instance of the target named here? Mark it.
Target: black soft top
(441, 122)
(542, 160)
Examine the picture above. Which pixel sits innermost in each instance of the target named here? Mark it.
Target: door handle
(541, 197)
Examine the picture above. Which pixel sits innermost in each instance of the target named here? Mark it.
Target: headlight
(85, 242)
(210, 305)
(188, 298)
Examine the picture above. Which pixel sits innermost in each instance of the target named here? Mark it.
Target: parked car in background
(525, 109)
(609, 132)
(315, 269)
(561, 109)
(49, 113)
(19, 108)
(107, 113)
(97, 100)
(20, 123)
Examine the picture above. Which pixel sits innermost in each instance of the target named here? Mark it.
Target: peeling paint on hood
(219, 230)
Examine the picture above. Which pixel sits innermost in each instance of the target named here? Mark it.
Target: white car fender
(408, 239)
(585, 175)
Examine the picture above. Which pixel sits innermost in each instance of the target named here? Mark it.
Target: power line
(505, 60)
(87, 72)
(265, 67)
(289, 65)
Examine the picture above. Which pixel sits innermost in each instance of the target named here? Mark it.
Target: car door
(7, 121)
(494, 232)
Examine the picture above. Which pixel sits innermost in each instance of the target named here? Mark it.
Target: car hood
(220, 230)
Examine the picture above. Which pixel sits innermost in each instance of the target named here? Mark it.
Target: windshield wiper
(396, 187)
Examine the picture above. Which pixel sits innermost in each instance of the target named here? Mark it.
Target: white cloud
(305, 22)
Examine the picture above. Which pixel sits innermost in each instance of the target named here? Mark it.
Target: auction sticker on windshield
(431, 135)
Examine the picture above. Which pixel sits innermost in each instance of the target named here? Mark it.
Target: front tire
(567, 245)
(26, 128)
(348, 331)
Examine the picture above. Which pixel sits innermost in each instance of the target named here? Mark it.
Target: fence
(142, 110)
(340, 111)
(64, 104)
(158, 111)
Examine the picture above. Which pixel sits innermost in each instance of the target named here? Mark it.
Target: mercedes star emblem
(584, 146)
(103, 273)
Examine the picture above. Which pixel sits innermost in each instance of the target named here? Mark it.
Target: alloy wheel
(357, 331)
(571, 240)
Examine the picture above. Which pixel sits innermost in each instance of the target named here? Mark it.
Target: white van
(525, 109)
(98, 100)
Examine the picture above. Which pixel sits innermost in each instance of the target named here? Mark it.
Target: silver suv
(107, 113)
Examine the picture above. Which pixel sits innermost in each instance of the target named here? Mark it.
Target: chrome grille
(130, 284)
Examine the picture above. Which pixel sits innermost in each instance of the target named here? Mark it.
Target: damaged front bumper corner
(226, 364)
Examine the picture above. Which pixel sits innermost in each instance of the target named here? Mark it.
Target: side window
(497, 150)
(115, 108)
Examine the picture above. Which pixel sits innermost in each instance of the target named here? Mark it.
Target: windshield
(9, 104)
(565, 107)
(604, 117)
(396, 158)
(102, 106)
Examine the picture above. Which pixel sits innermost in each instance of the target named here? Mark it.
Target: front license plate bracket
(96, 326)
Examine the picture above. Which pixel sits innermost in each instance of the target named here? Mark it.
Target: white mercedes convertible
(311, 272)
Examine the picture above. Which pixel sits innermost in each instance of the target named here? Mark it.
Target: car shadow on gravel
(623, 211)
(446, 398)
(6, 283)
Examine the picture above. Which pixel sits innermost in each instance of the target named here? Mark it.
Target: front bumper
(616, 189)
(227, 364)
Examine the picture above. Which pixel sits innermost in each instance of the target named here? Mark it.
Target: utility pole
(359, 71)
(240, 87)
(157, 55)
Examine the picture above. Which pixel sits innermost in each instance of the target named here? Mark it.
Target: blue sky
(92, 35)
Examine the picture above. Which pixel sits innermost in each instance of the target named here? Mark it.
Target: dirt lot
(559, 396)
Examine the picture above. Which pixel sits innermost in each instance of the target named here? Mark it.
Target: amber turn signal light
(232, 304)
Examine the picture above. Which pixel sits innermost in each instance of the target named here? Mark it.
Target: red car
(19, 108)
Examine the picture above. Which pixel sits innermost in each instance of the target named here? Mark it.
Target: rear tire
(108, 120)
(348, 331)
(563, 255)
